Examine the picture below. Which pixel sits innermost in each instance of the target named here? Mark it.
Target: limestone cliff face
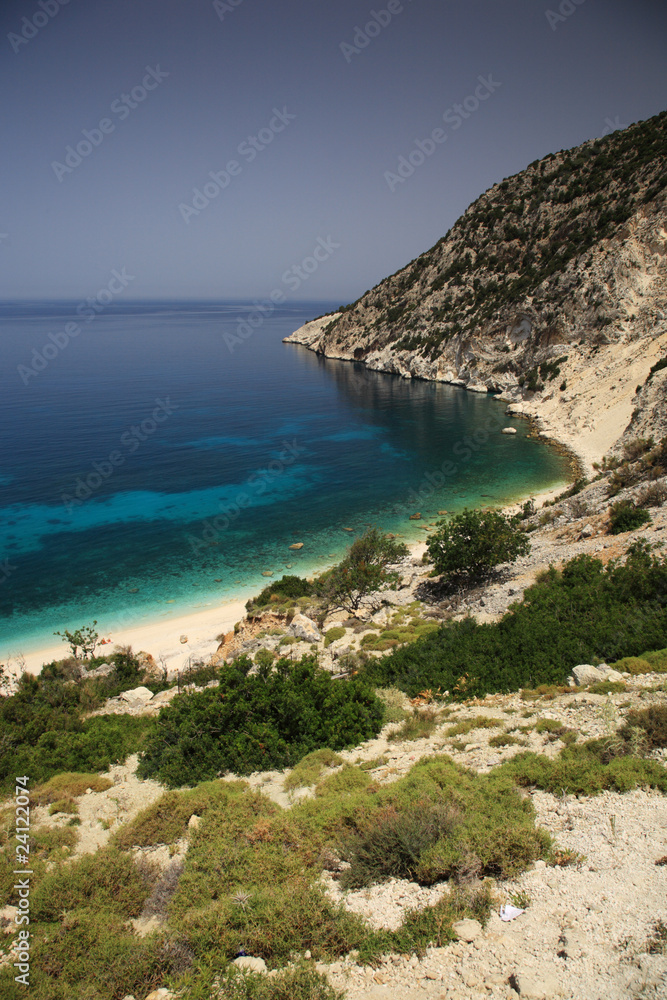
(550, 289)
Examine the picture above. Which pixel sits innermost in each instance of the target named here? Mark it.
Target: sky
(226, 149)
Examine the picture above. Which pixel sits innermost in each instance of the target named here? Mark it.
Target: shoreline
(162, 638)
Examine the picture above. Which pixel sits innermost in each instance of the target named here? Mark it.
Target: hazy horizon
(212, 149)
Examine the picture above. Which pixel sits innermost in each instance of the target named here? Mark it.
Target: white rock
(304, 628)
(140, 695)
(250, 963)
(537, 985)
(509, 430)
(467, 930)
(194, 822)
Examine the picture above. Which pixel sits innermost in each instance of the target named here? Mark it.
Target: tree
(85, 639)
(363, 572)
(469, 545)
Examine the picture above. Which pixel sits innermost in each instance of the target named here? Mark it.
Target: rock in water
(509, 430)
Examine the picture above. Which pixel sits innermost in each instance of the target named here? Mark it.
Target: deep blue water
(148, 467)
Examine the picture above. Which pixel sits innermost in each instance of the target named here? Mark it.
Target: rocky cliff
(550, 290)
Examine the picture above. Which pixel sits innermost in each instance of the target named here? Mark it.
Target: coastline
(162, 638)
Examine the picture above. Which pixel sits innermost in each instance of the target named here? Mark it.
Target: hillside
(551, 276)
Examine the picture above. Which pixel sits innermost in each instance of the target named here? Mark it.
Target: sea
(162, 458)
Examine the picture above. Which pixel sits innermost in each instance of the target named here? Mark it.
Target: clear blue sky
(555, 82)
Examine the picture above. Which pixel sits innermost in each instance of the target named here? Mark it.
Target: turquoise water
(147, 467)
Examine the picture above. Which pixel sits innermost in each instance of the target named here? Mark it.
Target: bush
(416, 727)
(625, 516)
(333, 634)
(258, 723)
(654, 495)
(109, 877)
(289, 588)
(582, 769)
(444, 822)
(472, 543)
(308, 770)
(353, 582)
(571, 616)
(653, 721)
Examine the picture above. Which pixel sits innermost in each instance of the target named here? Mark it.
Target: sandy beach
(162, 638)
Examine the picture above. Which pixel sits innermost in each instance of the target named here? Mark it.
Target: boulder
(585, 674)
(183, 639)
(250, 964)
(587, 531)
(467, 930)
(194, 822)
(508, 430)
(304, 628)
(137, 696)
(297, 545)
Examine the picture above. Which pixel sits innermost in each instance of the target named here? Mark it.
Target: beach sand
(160, 638)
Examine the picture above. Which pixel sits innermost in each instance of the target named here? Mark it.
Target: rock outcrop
(550, 289)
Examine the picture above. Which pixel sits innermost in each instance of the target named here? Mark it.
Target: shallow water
(147, 466)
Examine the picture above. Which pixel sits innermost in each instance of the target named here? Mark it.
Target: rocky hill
(550, 280)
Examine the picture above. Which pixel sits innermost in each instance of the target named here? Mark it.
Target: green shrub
(625, 516)
(166, 820)
(258, 723)
(582, 612)
(363, 572)
(288, 588)
(67, 786)
(444, 822)
(653, 722)
(503, 740)
(394, 702)
(633, 665)
(332, 634)
(467, 725)
(470, 544)
(300, 983)
(108, 879)
(657, 660)
(416, 727)
(581, 769)
(308, 770)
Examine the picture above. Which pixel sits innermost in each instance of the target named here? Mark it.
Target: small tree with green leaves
(471, 544)
(349, 586)
(85, 639)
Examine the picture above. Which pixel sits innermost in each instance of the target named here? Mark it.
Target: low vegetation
(584, 613)
(468, 546)
(258, 722)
